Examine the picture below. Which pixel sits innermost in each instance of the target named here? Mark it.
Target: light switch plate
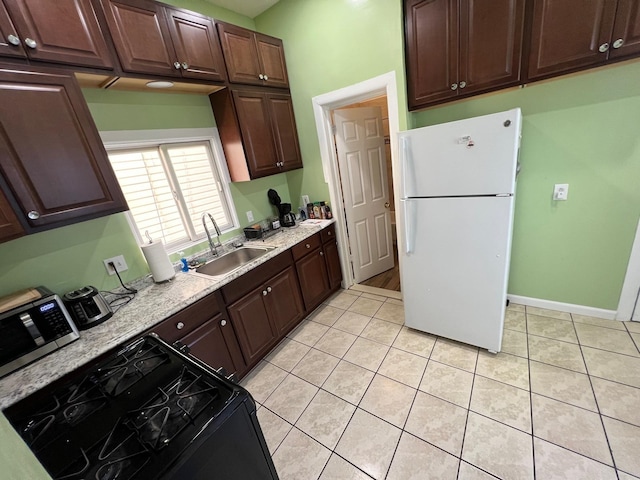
(249, 216)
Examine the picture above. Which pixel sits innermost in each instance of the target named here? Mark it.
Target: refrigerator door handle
(405, 159)
(409, 225)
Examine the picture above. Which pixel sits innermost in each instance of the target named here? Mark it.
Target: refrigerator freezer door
(454, 280)
(475, 156)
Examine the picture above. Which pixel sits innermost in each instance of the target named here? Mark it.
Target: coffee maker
(287, 218)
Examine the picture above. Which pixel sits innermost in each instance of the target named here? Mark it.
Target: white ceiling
(248, 8)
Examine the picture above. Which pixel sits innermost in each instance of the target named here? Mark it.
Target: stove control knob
(179, 325)
(223, 323)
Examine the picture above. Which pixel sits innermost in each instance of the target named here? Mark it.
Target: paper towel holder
(161, 268)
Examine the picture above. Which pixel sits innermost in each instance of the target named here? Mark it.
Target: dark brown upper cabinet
(197, 46)
(157, 40)
(10, 227)
(51, 155)
(457, 48)
(253, 58)
(141, 36)
(569, 35)
(61, 31)
(258, 132)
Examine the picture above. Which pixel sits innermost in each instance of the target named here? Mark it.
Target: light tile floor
(353, 394)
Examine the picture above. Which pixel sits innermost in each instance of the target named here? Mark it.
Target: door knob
(387, 204)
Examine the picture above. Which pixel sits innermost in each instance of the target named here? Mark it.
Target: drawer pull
(223, 323)
(329, 233)
(308, 246)
(179, 325)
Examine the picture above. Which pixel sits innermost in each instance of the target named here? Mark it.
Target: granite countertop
(150, 306)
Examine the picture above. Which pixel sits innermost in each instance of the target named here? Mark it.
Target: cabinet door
(211, 344)
(62, 31)
(141, 36)
(333, 264)
(284, 131)
(569, 34)
(257, 137)
(313, 277)
(490, 44)
(284, 304)
(50, 152)
(626, 30)
(240, 54)
(272, 64)
(431, 49)
(10, 227)
(252, 326)
(8, 30)
(197, 46)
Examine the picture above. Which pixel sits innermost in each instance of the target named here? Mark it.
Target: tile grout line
(595, 397)
(533, 443)
(466, 421)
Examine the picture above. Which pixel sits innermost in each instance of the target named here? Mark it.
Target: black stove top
(117, 420)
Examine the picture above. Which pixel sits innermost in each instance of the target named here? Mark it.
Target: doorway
(369, 93)
(629, 305)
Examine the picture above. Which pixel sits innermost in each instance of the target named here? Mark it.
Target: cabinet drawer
(328, 233)
(247, 282)
(306, 246)
(187, 320)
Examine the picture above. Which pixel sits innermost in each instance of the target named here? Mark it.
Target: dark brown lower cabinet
(333, 264)
(314, 279)
(215, 344)
(266, 314)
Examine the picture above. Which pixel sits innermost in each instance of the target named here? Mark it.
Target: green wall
(581, 130)
(331, 44)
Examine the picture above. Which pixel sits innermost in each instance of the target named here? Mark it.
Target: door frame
(631, 283)
(384, 84)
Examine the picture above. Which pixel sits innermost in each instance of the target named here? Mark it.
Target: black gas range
(148, 411)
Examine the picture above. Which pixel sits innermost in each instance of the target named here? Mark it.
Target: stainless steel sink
(232, 261)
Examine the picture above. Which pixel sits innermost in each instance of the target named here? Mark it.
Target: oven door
(21, 341)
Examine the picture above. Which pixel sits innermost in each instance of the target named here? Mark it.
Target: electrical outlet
(250, 216)
(560, 191)
(305, 200)
(119, 263)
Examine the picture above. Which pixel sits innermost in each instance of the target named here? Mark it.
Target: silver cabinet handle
(13, 40)
(261, 77)
(454, 86)
(179, 325)
(603, 48)
(223, 323)
(463, 84)
(269, 289)
(307, 245)
(33, 215)
(264, 293)
(618, 43)
(185, 66)
(322, 254)
(265, 77)
(30, 42)
(329, 233)
(177, 65)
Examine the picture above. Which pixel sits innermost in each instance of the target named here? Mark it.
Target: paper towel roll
(158, 260)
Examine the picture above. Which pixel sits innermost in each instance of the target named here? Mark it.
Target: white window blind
(168, 188)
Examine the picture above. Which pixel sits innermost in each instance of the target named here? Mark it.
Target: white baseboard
(563, 307)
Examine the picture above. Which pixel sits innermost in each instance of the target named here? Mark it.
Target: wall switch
(119, 263)
(560, 191)
(305, 200)
(250, 216)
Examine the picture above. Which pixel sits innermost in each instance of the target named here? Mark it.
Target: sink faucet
(212, 246)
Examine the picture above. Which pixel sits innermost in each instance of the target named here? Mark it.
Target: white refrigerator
(457, 194)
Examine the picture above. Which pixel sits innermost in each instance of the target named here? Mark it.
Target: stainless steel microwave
(33, 329)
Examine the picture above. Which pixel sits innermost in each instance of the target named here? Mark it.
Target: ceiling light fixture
(159, 84)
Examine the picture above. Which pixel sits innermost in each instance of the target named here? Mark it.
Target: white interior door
(362, 162)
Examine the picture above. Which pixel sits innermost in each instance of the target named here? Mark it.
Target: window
(168, 187)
